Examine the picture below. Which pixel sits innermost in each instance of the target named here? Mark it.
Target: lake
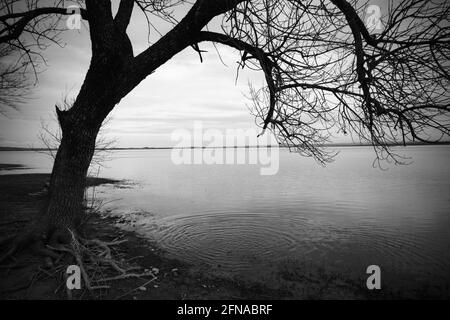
(232, 221)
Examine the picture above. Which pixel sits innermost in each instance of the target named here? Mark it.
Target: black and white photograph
(201, 151)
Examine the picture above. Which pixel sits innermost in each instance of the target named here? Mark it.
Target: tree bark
(80, 125)
(68, 182)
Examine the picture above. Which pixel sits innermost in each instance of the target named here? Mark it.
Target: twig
(128, 275)
(127, 293)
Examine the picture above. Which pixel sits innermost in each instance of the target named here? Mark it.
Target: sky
(177, 94)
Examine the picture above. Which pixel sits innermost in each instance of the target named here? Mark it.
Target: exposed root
(99, 263)
(127, 276)
(95, 258)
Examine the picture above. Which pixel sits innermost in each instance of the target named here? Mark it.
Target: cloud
(178, 93)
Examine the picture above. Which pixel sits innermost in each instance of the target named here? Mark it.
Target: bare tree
(323, 68)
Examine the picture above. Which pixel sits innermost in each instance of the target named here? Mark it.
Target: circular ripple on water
(251, 242)
(227, 240)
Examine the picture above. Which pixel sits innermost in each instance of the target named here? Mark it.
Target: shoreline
(20, 196)
(28, 278)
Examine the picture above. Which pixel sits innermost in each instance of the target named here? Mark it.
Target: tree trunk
(100, 92)
(68, 180)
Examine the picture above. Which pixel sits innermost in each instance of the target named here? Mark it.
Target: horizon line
(342, 144)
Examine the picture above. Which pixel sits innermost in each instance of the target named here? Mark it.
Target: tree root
(98, 262)
(94, 257)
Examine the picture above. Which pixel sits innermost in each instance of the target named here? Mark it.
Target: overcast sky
(177, 94)
(181, 91)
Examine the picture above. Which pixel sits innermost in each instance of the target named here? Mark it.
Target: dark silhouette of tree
(323, 68)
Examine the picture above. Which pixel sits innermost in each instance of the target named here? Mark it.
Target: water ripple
(237, 241)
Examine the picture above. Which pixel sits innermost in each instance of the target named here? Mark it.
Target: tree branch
(267, 65)
(101, 24)
(182, 35)
(16, 29)
(123, 16)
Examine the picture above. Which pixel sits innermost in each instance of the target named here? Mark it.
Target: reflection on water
(230, 219)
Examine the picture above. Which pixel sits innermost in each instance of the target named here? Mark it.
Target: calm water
(231, 220)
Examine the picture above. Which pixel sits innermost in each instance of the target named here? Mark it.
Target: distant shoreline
(338, 145)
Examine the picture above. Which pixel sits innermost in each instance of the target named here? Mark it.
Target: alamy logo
(374, 280)
(74, 277)
(74, 20)
(373, 21)
(206, 146)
